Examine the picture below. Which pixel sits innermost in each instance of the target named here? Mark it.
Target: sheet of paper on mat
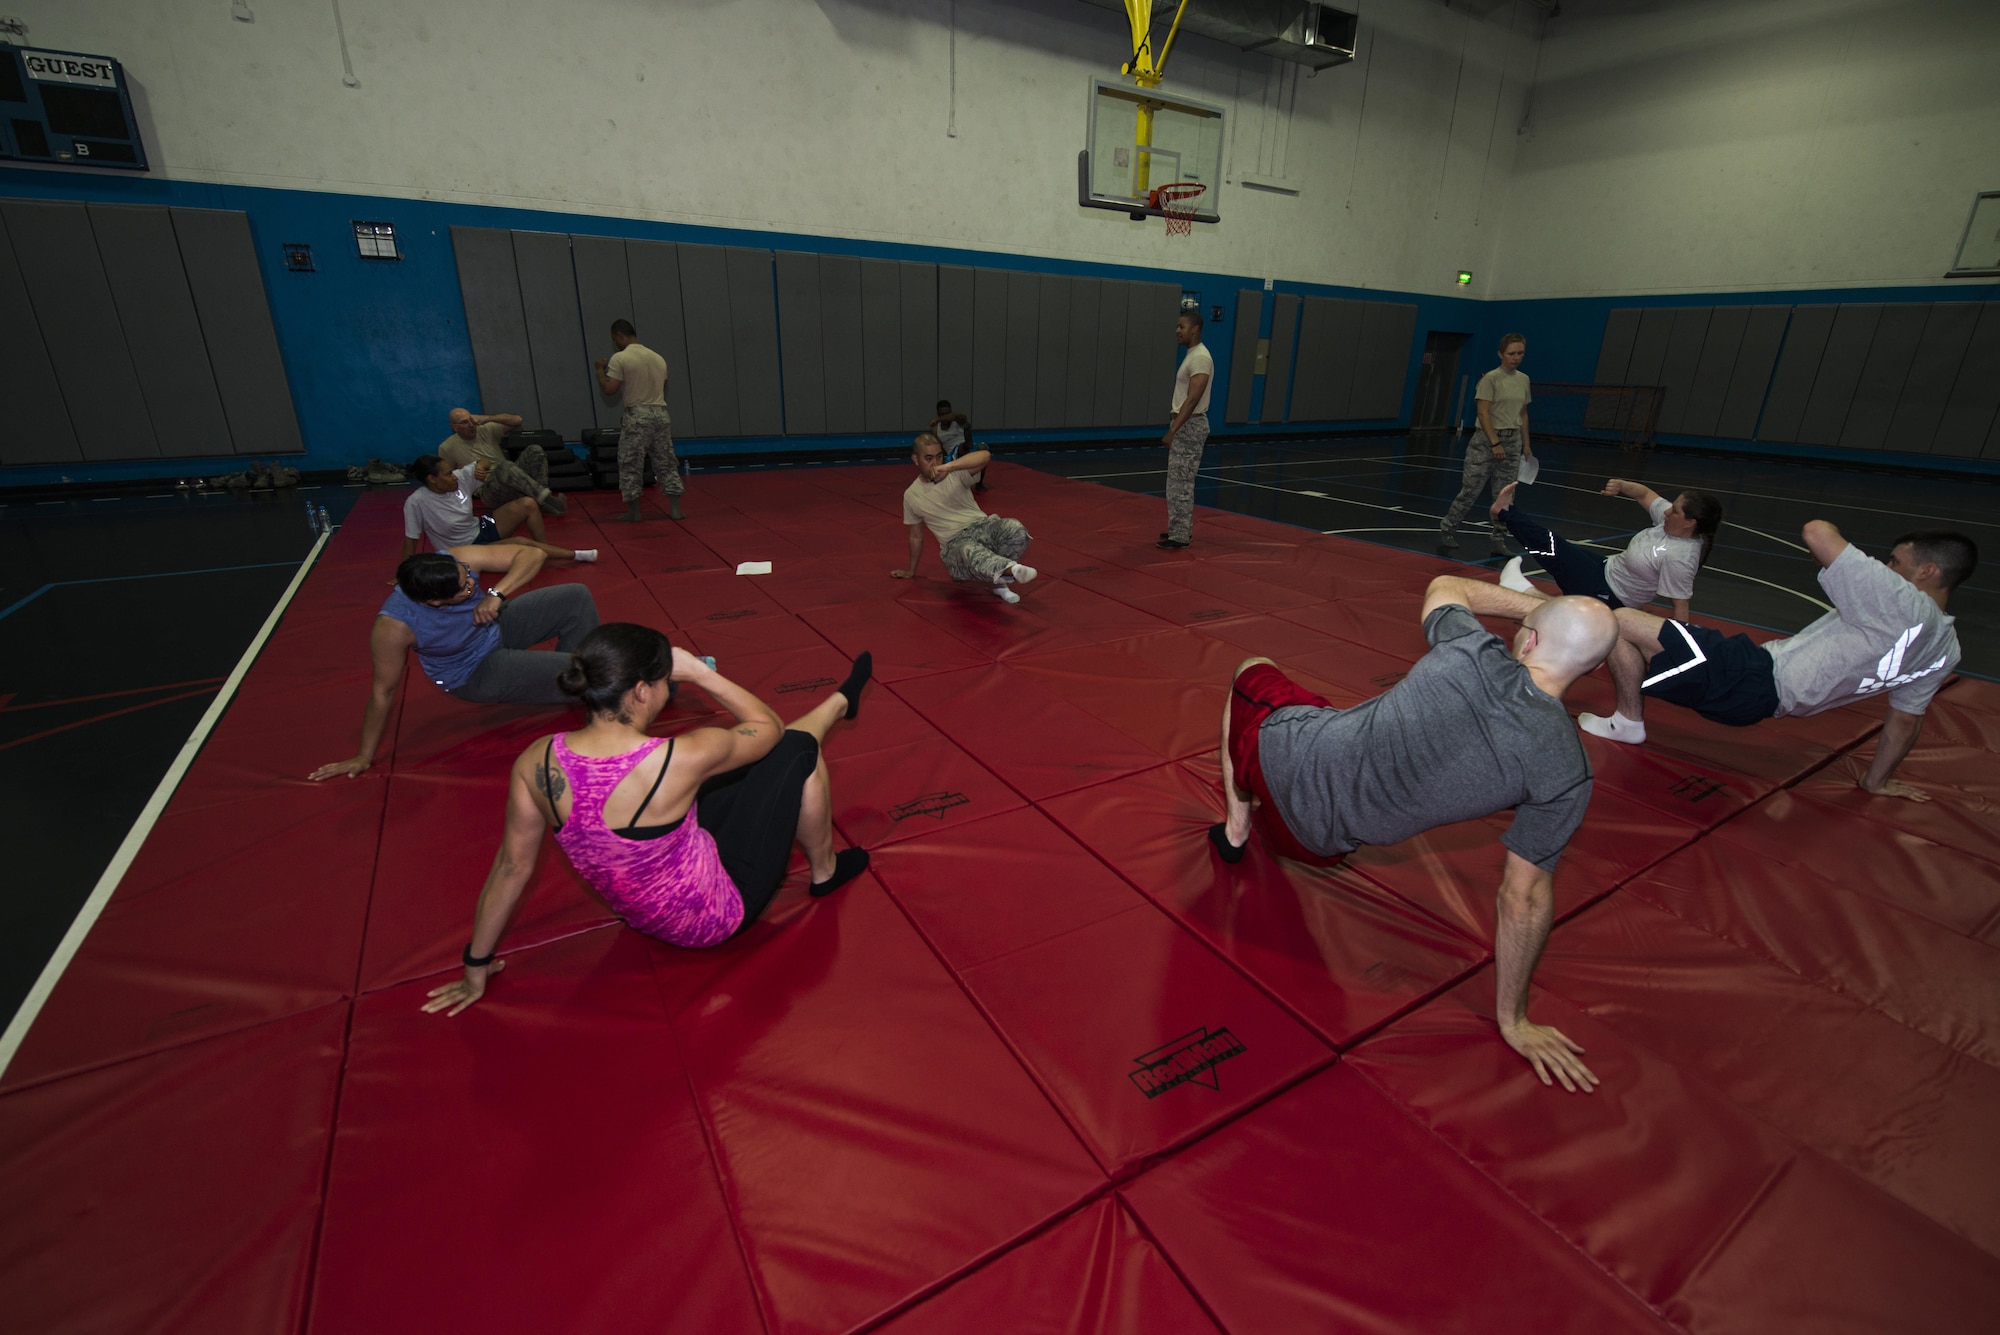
(753, 568)
(1531, 468)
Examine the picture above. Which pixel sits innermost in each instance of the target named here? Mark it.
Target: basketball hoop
(1176, 200)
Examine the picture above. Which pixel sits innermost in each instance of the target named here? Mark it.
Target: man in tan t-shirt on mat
(1497, 447)
(475, 439)
(638, 375)
(974, 544)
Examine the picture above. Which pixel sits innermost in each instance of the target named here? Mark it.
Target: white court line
(121, 861)
(1772, 537)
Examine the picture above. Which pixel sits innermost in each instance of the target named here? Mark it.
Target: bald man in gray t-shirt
(1474, 728)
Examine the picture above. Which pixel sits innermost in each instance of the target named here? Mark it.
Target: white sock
(1617, 728)
(1007, 595)
(586, 553)
(1512, 578)
(1022, 574)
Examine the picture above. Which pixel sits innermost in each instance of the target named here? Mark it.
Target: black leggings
(1574, 569)
(753, 815)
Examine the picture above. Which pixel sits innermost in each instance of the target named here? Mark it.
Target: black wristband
(472, 961)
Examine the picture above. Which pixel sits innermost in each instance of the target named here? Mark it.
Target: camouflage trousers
(647, 433)
(1183, 462)
(1480, 467)
(983, 549)
(506, 479)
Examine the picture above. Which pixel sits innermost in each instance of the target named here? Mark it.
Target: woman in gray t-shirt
(1659, 562)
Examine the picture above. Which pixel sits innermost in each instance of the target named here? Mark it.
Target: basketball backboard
(1139, 139)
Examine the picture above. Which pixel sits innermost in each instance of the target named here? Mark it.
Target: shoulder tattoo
(552, 784)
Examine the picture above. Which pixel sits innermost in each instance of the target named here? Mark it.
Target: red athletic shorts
(1256, 692)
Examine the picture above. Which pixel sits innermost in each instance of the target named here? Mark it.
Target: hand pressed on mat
(464, 991)
(1550, 1050)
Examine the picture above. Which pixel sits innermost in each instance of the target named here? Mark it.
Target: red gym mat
(1050, 1065)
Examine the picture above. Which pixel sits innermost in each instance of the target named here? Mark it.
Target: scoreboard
(67, 109)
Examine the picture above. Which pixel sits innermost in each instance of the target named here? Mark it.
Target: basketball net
(1176, 200)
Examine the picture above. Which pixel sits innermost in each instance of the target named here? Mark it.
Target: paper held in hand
(1531, 468)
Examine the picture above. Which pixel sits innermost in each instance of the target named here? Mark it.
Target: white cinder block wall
(1746, 145)
(829, 117)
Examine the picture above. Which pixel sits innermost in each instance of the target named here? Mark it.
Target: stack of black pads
(602, 445)
(567, 471)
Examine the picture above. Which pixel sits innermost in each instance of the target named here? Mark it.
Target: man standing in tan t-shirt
(974, 544)
(638, 375)
(1501, 441)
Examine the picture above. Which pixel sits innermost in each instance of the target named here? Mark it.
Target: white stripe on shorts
(1697, 659)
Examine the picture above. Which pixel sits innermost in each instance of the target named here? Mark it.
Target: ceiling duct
(1317, 36)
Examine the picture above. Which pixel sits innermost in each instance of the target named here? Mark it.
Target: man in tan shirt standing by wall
(1496, 451)
(638, 375)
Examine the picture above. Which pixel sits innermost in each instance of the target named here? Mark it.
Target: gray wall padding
(1839, 369)
(1649, 347)
(1940, 352)
(1798, 367)
(1683, 358)
(236, 325)
(840, 341)
(604, 294)
(800, 342)
(882, 345)
(1382, 359)
(142, 262)
(555, 332)
(954, 336)
(919, 283)
(72, 299)
(1151, 356)
(1710, 385)
(1278, 365)
(1080, 385)
(1614, 355)
(1242, 356)
(989, 349)
(491, 292)
(1052, 352)
(1114, 307)
(1023, 327)
(753, 321)
(1880, 383)
(654, 268)
(1750, 376)
(1975, 394)
(34, 420)
(710, 342)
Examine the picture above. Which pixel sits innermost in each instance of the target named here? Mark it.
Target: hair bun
(574, 679)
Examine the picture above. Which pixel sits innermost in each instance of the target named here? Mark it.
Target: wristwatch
(495, 593)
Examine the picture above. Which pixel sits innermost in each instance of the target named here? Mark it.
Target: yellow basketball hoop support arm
(1147, 73)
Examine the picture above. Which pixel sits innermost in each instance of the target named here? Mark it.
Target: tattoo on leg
(747, 730)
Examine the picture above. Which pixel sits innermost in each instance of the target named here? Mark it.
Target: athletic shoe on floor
(586, 554)
(1617, 728)
(1007, 595)
(1021, 574)
(1447, 538)
(1512, 578)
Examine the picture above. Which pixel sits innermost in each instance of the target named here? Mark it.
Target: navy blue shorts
(1725, 678)
(489, 532)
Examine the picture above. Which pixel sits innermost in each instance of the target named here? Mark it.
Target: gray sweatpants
(647, 433)
(1183, 462)
(514, 673)
(1480, 465)
(984, 549)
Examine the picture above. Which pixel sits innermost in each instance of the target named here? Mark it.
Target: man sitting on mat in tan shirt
(974, 544)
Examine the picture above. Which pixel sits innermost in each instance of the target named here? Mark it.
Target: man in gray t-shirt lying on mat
(1474, 728)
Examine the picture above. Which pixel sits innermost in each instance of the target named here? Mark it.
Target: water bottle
(710, 661)
(312, 520)
(325, 523)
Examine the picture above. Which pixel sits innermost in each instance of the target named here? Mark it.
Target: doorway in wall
(1437, 382)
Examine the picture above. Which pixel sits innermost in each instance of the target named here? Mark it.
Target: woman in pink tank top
(686, 838)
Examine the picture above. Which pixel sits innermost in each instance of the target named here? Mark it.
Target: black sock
(857, 677)
(848, 863)
(1219, 836)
